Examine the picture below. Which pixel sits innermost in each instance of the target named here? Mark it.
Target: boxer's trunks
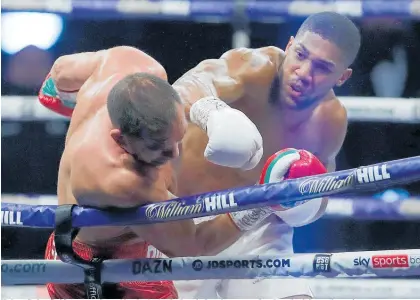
(125, 290)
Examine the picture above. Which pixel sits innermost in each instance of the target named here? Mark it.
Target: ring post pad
(64, 235)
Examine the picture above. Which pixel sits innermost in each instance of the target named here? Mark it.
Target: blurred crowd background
(387, 66)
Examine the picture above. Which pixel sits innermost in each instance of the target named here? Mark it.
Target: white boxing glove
(234, 141)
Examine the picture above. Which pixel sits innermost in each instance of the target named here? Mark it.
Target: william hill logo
(175, 208)
(372, 174)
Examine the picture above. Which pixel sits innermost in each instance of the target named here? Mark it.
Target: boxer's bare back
(244, 78)
(94, 170)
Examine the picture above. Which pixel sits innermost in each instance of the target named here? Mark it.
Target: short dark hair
(144, 106)
(336, 28)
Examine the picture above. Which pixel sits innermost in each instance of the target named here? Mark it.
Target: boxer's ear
(117, 136)
(289, 44)
(343, 78)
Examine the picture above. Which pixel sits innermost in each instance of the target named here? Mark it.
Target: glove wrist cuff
(49, 89)
(200, 110)
(68, 98)
(248, 219)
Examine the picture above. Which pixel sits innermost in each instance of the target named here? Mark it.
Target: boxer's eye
(155, 146)
(168, 153)
(300, 55)
(323, 68)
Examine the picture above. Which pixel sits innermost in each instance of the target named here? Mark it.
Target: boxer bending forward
(288, 95)
(124, 131)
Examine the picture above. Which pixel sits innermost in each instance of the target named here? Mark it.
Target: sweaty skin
(244, 79)
(95, 171)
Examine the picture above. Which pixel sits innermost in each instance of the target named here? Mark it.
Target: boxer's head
(148, 118)
(318, 59)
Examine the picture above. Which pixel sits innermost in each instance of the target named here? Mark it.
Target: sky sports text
(383, 261)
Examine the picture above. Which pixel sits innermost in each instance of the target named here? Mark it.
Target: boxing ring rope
(395, 263)
(394, 110)
(402, 262)
(370, 109)
(223, 11)
(342, 182)
(354, 208)
(364, 208)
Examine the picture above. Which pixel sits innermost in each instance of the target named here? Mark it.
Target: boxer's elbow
(192, 249)
(192, 244)
(184, 244)
(61, 73)
(70, 72)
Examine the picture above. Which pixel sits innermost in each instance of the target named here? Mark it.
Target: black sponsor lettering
(361, 261)
(285, 263)
(197, 265)
(245, 264)
(23, 268)
(253, 263)
(322, 262)
(248, 264)
(154, 266)
(93, 291)
(414, 260)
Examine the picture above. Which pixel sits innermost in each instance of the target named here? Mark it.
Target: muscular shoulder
(244, 61)
(125, 59)
(334, 113)
(255, 64)
(258, 56)
(133, 189)
(331, 124)
(109, 180)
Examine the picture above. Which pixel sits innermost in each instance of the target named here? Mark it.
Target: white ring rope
(341, 288)
(373, 109)
(388, 263)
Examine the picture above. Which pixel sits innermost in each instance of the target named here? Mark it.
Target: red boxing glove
(290, 164)
(285, 164)
(307, 165)
(60, 102)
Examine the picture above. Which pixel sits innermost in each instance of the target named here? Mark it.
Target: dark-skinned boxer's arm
(331, 125)
(229, 78)
(207, 90)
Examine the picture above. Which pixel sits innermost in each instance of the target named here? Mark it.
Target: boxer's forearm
(218, 78)
(216, 235)
(194, 86)
(70, 72)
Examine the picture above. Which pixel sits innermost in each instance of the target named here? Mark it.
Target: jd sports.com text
(246, 264)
